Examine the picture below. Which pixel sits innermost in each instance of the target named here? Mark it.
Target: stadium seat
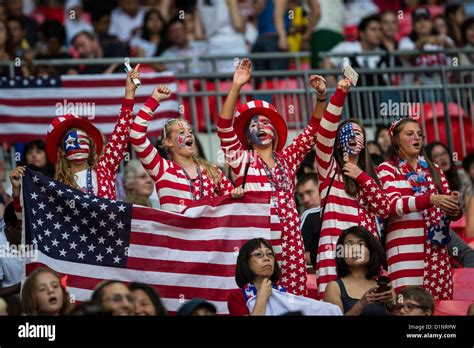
(459, 226)
(464, 275)
(451, 307)
(455, 113)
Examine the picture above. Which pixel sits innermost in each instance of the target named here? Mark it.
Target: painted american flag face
(184, 135)
(260, 131)
(351, 139)
(76, 145)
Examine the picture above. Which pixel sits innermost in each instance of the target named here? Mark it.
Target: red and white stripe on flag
(28, 108)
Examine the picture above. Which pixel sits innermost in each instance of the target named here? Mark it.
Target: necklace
(416, 179)
(190, 181)
(277, 182)
(90, 188)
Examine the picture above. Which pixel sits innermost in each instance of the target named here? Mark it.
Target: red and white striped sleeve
(117, 142)
(234, 152)
(393, 186)
(326, 135)
(376, 198)
(225, 186)
(148, 155)
(295, 153)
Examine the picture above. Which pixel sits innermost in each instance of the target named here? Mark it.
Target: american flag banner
(182, 255)
(28, 105)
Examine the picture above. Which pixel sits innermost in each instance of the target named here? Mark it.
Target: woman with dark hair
(257, 274)
(349, 187)
(113, 297)
(146, 300)
(34, 157)
(455, 15)
(383, 139)
(44, 293)
(457, 179)
(149, 39)
(421, 207)
(467, 31)
(359, 258)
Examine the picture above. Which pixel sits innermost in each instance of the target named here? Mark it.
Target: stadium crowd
(325, 178)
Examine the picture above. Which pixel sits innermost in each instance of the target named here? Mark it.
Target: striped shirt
(175, 190)
(293, 266)
(342, 210)
(412, 258)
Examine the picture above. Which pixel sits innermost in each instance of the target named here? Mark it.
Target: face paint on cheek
(255, 127)
(346, 134)
(180, 140)
(76, 146)
(411, 139)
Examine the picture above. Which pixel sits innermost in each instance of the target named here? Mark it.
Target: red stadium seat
(451, 307)
(459, 226)
(455, 113)
(464, 275)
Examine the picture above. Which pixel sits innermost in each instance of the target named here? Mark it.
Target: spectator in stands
(257, 274)
(126, 19)
(440, 24)
(74, 21)
(458, 180)
(197, 307)
(223, 26)
(15, 8)
(114, 297)
(146, 42)
(272, 23)
(328, 31)
(101, 25)
(467, 31)
(17, 32)
(415, 300)
(308, 192)
(179, 46)
(308, 165)
(370, 35)
(425, 37)
(459, 250)
(301, 24)
(146, 301)
(382, 138)
(468, 165)
(138, 184)
(88, 46)
(34, 157)
(420, 204)
(389, 21)
(359, 259)
(53, 37)
(11, 268)
(6, 51)
(455, 15)
(375, 152)
(44, 293)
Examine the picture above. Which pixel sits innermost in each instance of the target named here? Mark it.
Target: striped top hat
(244, 114)
(60, 126)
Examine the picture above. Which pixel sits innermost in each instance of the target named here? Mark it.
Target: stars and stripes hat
(58, 129)
(244, 114)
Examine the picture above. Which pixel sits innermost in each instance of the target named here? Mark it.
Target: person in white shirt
(125, 19)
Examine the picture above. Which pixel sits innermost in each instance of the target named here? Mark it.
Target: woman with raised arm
(185, 177)
(254, 146)
(350, 192)
(421, 207)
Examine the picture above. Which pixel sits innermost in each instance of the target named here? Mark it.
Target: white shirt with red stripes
(174, 190)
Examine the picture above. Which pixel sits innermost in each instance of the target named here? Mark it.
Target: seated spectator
(146, 301)
(257, 274)
(44, 294)
(359, 258)
(15, 8)
(415, 300)
(382, 138)
(74, 19)
(455, 15)
(11, 268)
(468, 165)
(308, 194)
(457, 179)
(179, 46)
(425, 37)
(375, 152)
(223, 26)
(114, 297)
(88, 46)
(370, 39)
(139, 186)
(146, 42)
(468, 41)
(197, 307)
(126, 19)
(53, 37)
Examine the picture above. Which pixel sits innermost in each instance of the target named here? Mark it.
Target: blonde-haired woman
(185, 177)
(74, 145)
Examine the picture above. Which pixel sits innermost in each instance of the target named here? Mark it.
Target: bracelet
(322, 100)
